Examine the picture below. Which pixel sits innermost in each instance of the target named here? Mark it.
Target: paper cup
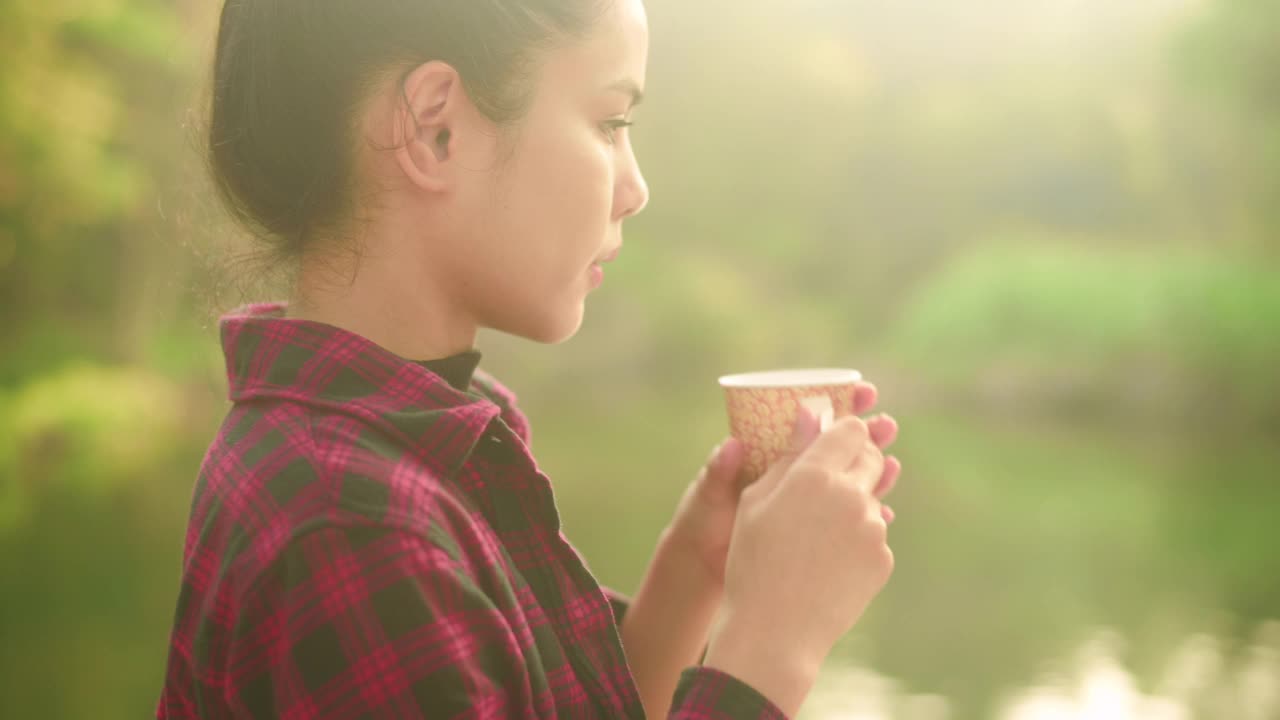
(763, 407)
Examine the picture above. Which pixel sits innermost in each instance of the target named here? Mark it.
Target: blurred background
(1049, 230)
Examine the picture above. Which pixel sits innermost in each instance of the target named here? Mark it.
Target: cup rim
(791, 377)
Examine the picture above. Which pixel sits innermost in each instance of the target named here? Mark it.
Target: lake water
(1200, 679)
(1045, 570)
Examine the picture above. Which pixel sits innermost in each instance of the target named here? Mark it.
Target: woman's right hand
(809, 552)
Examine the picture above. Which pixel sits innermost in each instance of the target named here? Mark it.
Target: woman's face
(533, 231)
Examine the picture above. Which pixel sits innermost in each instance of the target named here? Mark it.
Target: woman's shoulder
(277, 472)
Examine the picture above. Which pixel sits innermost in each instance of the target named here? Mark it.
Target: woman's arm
(666, 628)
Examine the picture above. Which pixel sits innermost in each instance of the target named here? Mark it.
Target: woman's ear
(429, 107)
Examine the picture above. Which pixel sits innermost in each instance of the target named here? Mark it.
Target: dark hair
(289, 76)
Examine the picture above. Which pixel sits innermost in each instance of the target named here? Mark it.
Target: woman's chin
(567, 328)
(552, 328)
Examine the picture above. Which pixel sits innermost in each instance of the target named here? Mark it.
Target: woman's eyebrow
(630, 87)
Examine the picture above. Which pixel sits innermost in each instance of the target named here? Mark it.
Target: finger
(838, 446)
(884, 430)
(807, 428)
(887, 513)
(865, 396)
(724, 465)
(888, 478)
(868, 468)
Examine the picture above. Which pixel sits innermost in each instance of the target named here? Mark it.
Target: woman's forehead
(613, 57)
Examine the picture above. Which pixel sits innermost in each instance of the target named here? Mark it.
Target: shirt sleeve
(705, 693)
(708, 694)
(374, 623)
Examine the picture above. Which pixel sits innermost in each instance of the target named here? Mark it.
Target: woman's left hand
(703, 522)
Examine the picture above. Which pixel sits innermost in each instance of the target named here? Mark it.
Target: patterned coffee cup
(763, 407)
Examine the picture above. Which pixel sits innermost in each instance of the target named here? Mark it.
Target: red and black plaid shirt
(367, 541)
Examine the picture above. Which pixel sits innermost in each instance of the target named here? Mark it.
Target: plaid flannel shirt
(367, 541)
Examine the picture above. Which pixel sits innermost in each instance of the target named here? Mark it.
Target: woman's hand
(669, 623)
(703, 522)
(809, 553)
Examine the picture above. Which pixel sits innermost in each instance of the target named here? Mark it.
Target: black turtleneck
(457, 370)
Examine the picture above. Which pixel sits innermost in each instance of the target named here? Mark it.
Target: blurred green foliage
(92, 428)
(1106, 327)
(1049, 236)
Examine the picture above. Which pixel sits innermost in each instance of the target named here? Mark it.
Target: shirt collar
(270, 356)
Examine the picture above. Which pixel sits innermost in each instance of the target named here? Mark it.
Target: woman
(370, 536)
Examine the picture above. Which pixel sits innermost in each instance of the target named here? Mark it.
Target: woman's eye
(612, 127)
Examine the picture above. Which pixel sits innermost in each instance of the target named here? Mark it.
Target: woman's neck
(385, 302)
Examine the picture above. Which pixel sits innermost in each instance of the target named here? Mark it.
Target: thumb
(722, 469)
(806, 429)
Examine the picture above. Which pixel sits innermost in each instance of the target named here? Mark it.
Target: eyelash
(612, 127)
